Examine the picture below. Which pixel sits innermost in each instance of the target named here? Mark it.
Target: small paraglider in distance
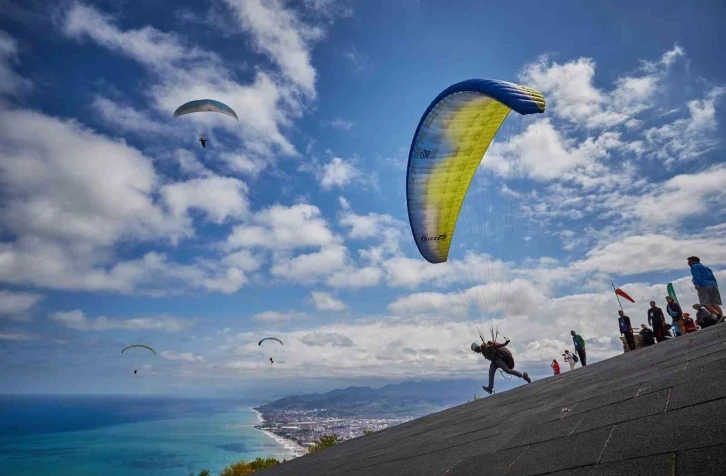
(270, 338)
(205, 105)
(138, 345)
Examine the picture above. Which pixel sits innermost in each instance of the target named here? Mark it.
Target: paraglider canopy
(450, 141)
(269, 338)
(205, 105)
(138, 345)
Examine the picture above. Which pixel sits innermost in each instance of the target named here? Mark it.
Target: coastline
(291, 446)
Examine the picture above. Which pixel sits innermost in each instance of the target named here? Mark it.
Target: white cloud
(279, 33)
(127, 118)
(327, 302)
(351, 277)
(684, 196)
(11, 334)
(220, 197)
(277, 316)
(339, 123)
(12, 303)
(572, 95)
(318, 339)
(185, 356)
(78, 320)
(11, 83)
(337, 173)
(687, 138)
(309, 267)
(284, 228)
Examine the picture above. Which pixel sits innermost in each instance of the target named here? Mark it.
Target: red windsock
(622, 293)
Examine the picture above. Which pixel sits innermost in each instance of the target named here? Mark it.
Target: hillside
(660, 410)
(406, 398)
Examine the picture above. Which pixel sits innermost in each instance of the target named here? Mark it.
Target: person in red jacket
(501, 358)
(555, 366)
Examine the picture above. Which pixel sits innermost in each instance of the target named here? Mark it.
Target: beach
(290, 445)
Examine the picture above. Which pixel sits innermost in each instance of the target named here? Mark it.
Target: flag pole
(617, 297)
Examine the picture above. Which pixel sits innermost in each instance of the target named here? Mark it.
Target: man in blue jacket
(706, 285)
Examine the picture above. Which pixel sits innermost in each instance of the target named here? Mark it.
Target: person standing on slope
(555, 367)
(706, 285)
(570, 359)
(656, 320)
(626, 329)
(579, 347)
(674, 310)
(500, 358)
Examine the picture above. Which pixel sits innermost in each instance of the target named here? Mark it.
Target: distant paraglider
(270, 338)
(138, 345)
(205, 105)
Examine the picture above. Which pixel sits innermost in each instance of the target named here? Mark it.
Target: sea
(67, 435)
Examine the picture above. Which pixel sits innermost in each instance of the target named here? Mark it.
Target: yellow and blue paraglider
(448, 147)
(450, 141)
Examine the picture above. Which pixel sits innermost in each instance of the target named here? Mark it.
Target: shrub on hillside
(325, 441)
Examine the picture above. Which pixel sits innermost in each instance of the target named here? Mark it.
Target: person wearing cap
(705, 283)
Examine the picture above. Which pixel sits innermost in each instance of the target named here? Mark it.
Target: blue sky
(118, 228)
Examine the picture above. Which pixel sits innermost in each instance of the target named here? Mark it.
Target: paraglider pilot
(203, 141)
(272, 361)
(500, 358)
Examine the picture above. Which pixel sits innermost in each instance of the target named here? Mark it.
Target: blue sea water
(126, 436)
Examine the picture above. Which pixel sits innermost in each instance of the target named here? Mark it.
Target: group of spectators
(708, 313)
(708, 310)
(580, 354)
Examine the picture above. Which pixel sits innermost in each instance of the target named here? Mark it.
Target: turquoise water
(174, 439)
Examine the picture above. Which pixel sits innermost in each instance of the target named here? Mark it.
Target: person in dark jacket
(705, 283)
(674, 310)
(579, 347)
(656, 320)
(498, 357)
(626, 330)
(647, 334)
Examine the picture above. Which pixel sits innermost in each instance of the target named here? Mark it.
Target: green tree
(368, 432)
(325, 441)
(243, 468)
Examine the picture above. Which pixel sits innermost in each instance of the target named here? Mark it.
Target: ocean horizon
(129, 435)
